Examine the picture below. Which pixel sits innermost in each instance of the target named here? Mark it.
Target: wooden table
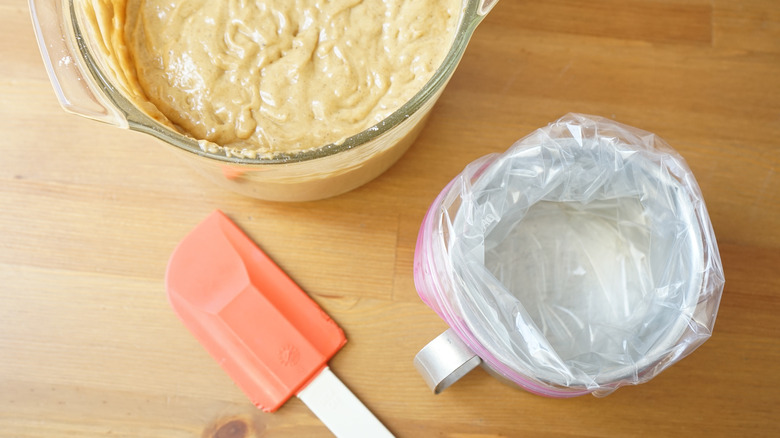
(89, 215)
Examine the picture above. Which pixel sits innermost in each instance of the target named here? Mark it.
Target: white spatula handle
(335, 405)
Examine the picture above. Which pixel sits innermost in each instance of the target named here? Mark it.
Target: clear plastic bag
(580, 260)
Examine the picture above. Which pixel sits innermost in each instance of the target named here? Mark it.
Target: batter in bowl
(258, 78)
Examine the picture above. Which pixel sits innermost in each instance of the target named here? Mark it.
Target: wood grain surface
(89, 215)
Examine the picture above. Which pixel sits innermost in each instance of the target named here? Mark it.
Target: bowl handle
(444, 361)
(76, 91)
(485, 6)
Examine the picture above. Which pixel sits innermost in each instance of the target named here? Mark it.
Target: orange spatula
(266, 333)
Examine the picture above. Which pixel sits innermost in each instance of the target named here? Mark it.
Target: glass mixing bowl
(85, 86)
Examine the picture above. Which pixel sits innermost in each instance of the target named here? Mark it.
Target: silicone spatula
(270, 337)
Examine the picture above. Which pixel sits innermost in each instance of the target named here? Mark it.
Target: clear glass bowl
(85, 86)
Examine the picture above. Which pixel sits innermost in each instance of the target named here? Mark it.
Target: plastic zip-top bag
(580, 260)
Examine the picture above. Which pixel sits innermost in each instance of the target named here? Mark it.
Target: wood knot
(232, 429)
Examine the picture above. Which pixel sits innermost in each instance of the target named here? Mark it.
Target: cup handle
(485, 6)
(75, 90)
(445, 360)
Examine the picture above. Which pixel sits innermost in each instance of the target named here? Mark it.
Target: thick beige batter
(268, 76)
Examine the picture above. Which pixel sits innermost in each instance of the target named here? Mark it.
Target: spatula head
(265, 332)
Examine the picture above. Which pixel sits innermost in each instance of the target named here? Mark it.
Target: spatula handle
(335, 405)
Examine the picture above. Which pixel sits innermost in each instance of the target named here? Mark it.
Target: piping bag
(270, 337)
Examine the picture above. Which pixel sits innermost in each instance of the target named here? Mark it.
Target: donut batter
(257, 78)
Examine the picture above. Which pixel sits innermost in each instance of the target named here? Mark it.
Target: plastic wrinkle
(580, 260)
